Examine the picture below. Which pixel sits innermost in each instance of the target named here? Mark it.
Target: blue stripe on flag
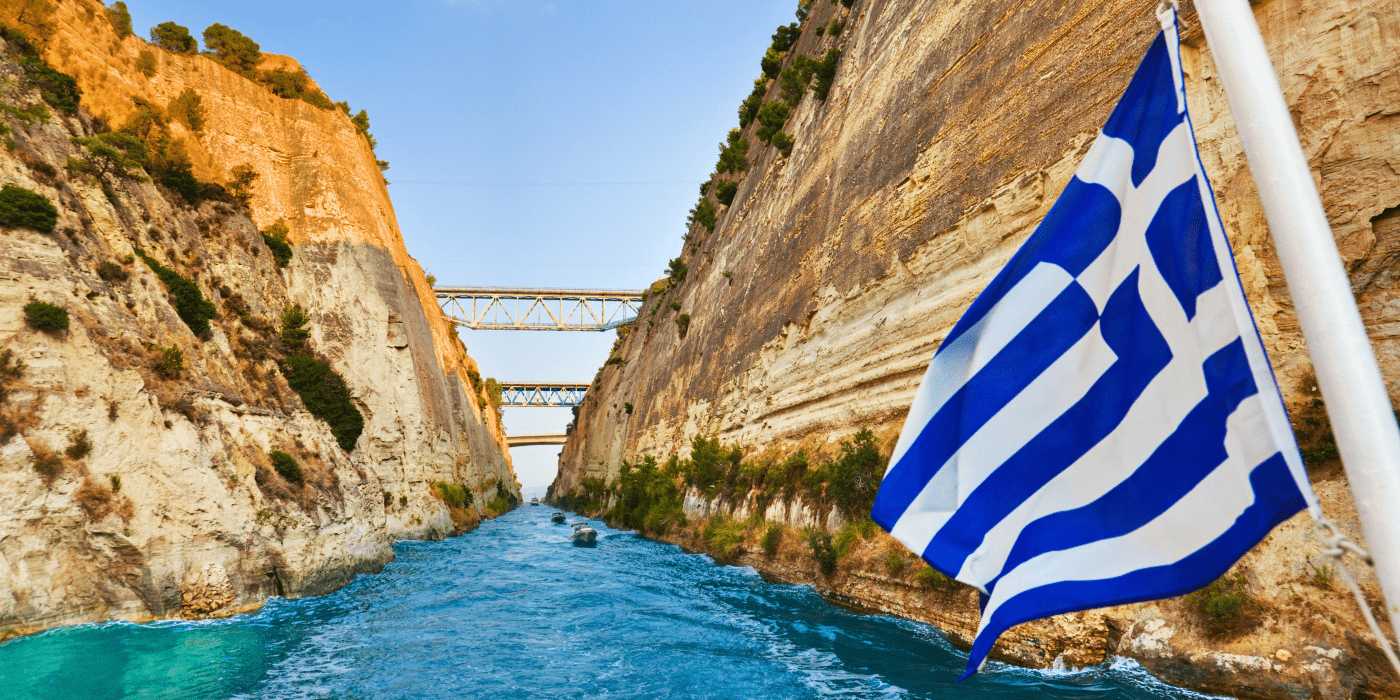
(1147, 112)
(1090, 212)
(1273, 506)
(1036, 347)
(1142, 352)
(1189, 455)
(1180, 243)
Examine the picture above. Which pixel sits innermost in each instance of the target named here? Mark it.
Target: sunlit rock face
(200, 523)
(825, 287)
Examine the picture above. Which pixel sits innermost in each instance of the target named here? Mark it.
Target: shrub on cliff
(58, 89)
(326, 396)
(190, 303)
(173, 37)
(794, 80)
(146, 63)
(454, 495)
(240, 183)
(169, 362)
(733, 153)
(784, 143)
(748, 109)
(785, 37)
(286, 465)
(683, 325)
(188, 109)
(115, 153)
(772, 62)
(45, 317)
(725, 192)
(120, 19)
(825, 72)
(823, 551)
(275, 236)
(22, 208)
(648, 499)
(771, 117)
(675, 270)
(231, 48)
(294, 332)
(703, 214)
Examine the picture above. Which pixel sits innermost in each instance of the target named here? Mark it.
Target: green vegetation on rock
(190, 303)
(173, 37)
(169, 362)
(275, 236)
(286, 466)
(120, 18)
(229, 47)
(326, 396)
(45, 317)
(22, 208)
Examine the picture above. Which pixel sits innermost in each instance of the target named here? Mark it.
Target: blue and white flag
(1102, 426)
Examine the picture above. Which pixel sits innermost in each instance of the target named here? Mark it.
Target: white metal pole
(1347, 373)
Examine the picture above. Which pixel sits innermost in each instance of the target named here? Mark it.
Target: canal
(512, 610)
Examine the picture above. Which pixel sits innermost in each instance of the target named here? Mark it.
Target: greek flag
(1102, 426)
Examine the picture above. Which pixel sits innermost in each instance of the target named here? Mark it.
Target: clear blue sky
(508, 125)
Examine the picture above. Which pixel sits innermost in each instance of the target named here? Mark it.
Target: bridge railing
(544, 309)
(542, 394)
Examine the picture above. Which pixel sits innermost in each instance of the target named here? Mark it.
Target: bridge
(542, 394)
(528, 440)
(532, 309)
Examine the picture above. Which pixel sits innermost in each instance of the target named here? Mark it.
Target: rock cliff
(812, 308)
(135, 488)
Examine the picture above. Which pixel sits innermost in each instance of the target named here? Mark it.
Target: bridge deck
(528, 440)
(539, 309)
(542, 393)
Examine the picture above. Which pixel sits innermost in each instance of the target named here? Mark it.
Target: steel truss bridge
(531, 309)
(542, 394)
(528, 440)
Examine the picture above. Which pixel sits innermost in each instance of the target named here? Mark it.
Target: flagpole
(1357, 402)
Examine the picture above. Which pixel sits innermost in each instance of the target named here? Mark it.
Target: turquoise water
(513, 611)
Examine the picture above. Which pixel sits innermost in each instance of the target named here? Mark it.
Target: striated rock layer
(175, 509)
(817, 301)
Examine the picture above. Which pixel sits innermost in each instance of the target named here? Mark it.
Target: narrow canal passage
(513, 611)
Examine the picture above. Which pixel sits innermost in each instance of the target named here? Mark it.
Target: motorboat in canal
(534, 501)
(558, 517)
(584, 536)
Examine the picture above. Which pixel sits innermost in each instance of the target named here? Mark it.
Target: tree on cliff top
(173, 37)
(231, 48)
(120, 18)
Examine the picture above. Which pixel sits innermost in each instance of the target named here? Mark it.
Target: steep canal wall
(140, 473)
(827, 261)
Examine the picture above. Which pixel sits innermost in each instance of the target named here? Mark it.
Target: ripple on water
(512, 610)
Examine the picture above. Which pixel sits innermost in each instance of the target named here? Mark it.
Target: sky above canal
(530, 144)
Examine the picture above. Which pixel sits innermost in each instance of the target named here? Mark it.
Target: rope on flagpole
(1336, 545)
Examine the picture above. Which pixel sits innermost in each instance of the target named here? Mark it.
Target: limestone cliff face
(824, 289)
(200, 524)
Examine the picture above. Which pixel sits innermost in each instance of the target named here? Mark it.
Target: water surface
(513, 611)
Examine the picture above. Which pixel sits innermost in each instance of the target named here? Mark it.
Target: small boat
(584, 536)
(534, 501)
(558, 518)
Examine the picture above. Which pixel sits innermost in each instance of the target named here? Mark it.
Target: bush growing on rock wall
(725, 537)
(772, 538)
(930, 577)
(703, 214)
(725, 191)
(648, 499)
(173, 37)
(854, 476)
(188, 109)
(120, 18)
(786, 36)
(294, 333)
(784, 143)
(825, 72)
(1225, 608)
(748, 109)
(240, 183)
(45, 461)
(45, 317)
(733, 153)
(22, 208)
(190, 303)
(146, 63)
(771, 117)
(894, 563)
(169, 362)
(229, 47)
(326, 396)
(627, 406)
(454, 495)
(78, 445)
(683, 325)
(772, 62)
(111, 272)
(825, 554)
(286, 466)
(58, 89)
(275, 236)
